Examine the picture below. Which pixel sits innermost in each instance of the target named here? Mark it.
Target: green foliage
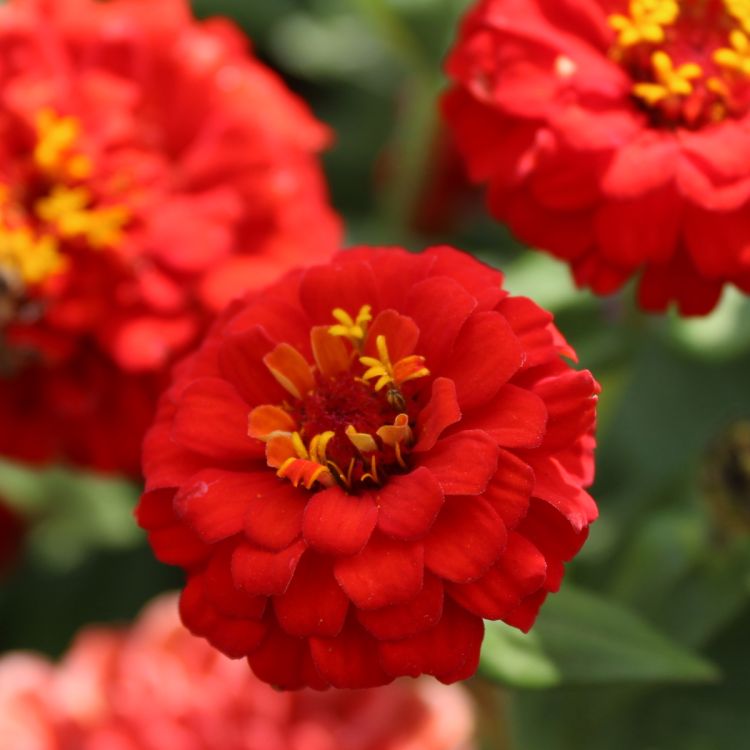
(582, 639)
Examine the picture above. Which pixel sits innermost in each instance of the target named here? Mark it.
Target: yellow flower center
(349, 418)
(64, 207)
(690, 61)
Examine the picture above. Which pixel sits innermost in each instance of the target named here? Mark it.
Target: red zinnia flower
(156, 687)
(150, 169)
(616, 135)
(363, 461)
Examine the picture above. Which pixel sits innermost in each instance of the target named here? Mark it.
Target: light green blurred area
(646, 646)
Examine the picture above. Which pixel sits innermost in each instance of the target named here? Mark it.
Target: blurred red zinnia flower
(150, 170)
(156, 687)
(614, 134)
(363, 461)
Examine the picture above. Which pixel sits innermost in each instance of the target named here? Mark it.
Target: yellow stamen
(396, 435)
(645, 22)
(318, 446)
(354, 329)
(67, 209)
(408, 368)
(671, 81)
(372, 475)
(740, 10)
(33, 259)
(362, 441)
(54, 153)
(736, 59)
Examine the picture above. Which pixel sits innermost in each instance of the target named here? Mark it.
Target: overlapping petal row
(615, 135)
(346, 518)
(155, 686)
(150, 169)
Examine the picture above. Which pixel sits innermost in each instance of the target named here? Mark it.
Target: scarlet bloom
(614, 134)
(363, 461)
(150, 170)
(156, 687)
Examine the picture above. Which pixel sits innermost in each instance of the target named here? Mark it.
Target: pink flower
(156, 687)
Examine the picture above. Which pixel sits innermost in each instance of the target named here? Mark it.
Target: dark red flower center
(689, 60)
(349, 418)
(47, 209)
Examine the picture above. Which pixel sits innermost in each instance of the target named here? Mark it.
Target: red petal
(314, 603)
(626, 236)
(409, 504)
(441, 412)
(401, 335)
(155, 510)
(398, 271)
(211, 419)
(274, 512)
(440, 306)
(467, 538)
(449, 651)
(214, 502)
(178, 545)
(241, 363)
(530, 323)
(165, 462)
(285, 662)
(234, 637)
(222, 592)
(520, 572)
(509, 491)
(524, 616)
(486, 355)
(337, 523)
(642, 165)
(409, 618)
(479, 280)
(259, 571)
(570, 400)
(277, 319)
(349, 660)
(463, 463)
(515, 418)
(386, 572)
(551, 532)
(552, 485)
(346, 285)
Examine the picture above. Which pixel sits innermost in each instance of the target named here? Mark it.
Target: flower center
(689, 59)
(49, 209)
(348, 419)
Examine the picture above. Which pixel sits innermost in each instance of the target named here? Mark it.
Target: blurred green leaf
(723, 334)
(517, 659)
(583, 639)
(71, 514)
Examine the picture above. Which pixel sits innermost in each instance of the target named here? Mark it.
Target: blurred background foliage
(647, 645)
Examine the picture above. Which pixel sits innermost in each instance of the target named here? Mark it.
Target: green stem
(397, 35)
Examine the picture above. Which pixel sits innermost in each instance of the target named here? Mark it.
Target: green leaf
(583, 639)
(514, 658)
(71, 513)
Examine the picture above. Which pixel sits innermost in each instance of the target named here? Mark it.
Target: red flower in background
(615, 135)
(150, 170)
(156, 687)
(363, 461)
